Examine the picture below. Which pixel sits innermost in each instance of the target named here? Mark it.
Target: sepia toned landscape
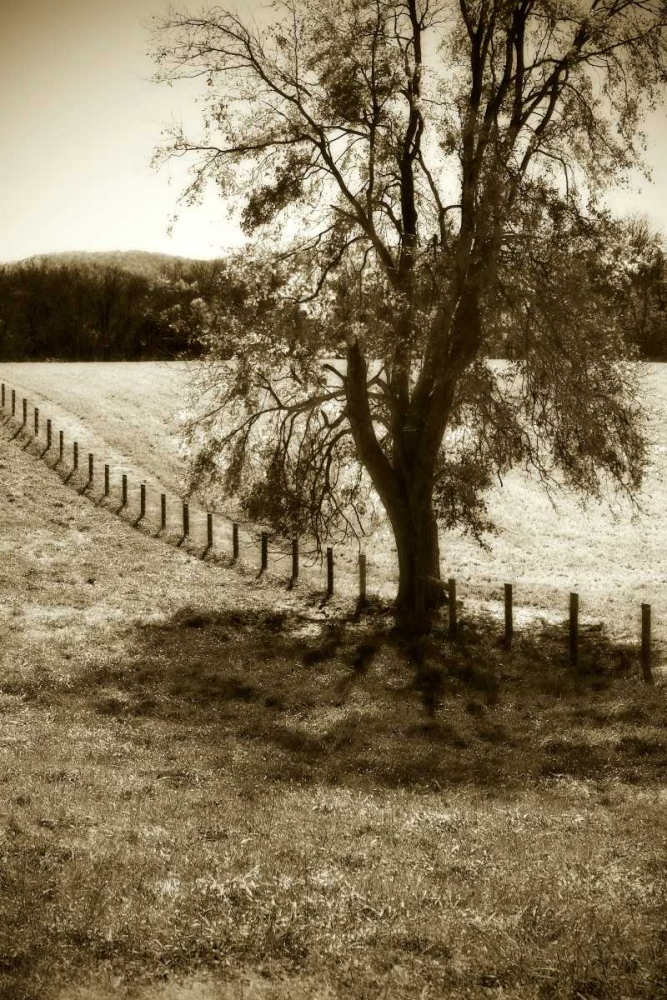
(333, 497)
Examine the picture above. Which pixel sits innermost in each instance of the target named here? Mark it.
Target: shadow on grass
(354, 702)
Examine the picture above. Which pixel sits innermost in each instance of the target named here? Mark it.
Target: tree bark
(420, 592)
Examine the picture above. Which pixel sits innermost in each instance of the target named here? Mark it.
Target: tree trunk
(405, 489)
(420, 593)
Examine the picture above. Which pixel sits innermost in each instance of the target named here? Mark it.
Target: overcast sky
(80, 118)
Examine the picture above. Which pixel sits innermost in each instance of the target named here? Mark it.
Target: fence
(449, 588)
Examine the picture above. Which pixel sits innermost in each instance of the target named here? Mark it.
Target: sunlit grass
(126, 413)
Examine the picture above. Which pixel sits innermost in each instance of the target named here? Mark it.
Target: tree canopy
(423, 180)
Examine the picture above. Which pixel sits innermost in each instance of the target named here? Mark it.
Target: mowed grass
(128, 415)
(125, 412)
(213, 787)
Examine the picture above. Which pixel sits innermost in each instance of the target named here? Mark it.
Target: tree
(441, 166)
(639, 268)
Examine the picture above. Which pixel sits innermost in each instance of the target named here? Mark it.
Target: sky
(79, 121)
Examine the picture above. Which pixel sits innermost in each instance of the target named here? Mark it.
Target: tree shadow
(357, 702)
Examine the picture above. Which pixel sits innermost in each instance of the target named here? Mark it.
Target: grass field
(213, 787)
(127, 414)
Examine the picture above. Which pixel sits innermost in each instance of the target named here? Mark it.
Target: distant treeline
(78, 311)
(141, 306)
(641, 301)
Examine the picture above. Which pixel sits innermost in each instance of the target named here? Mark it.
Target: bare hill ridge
(143, 262)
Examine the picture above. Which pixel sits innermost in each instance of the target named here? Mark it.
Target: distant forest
(100, 307)
(139, 306)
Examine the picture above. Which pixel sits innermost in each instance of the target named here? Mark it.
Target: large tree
(439, 167)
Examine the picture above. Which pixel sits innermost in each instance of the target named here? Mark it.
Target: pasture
(612, 555)
(213, 787)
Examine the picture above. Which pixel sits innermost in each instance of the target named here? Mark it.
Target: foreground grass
(132, 857)
(213, 787)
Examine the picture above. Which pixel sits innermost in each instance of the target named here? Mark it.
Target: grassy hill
(212, 787)
(128, 415)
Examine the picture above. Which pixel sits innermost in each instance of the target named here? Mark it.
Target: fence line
(449, 588)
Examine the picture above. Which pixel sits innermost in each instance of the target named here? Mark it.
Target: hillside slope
(614, 558)
(74, 577)
(127, 413)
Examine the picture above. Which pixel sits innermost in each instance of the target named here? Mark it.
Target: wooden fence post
(295, 559)
(25, 412)
(186, 520)
(142, 501)
(36, 421)
(362, 577)
(330, 572)
(163, 511)
(574, 629)
(265, 551)
(646, 644)
(75, 455)
(509, 622)
(13, 402)
(235, 541)
(123, 495)
(61, 445)
(48, 435)
(91, 468)
(209, 530)
(106, 480)
(451, 602)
